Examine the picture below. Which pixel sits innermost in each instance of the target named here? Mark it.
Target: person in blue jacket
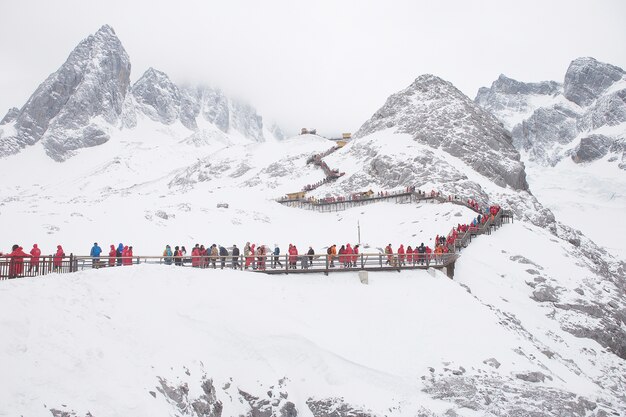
(118, 254)
(95, 254)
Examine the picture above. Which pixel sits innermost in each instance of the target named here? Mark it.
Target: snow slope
(98, 342)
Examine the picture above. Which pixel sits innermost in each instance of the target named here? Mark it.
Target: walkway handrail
(12, 267)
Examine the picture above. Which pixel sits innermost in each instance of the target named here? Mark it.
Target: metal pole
(358, 223)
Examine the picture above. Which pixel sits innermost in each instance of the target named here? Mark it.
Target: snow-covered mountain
(572, 137)
(583, 118)
(90, 98)
(534, 322)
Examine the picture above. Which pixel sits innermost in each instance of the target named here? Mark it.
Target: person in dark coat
(118, 254)
(223, 255)
(276, 258)
(235, 255)
(310, 254)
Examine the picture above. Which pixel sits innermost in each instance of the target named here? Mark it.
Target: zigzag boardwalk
(12, 267)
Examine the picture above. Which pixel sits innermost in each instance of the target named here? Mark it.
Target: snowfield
(98, 341)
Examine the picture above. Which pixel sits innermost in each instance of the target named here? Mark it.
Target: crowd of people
(257, 257)
(18, 260)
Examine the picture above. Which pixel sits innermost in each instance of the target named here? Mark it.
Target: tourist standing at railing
(57, 260)
(35, 253)
(355, 255)
(342, 257)
(16, 265)
(112, 253)
(178, 257)
(183, 253)
(247, 249)
(389, 253)
(118, 254)
(129, 256)
(261, 257)
(293, 256)
(401, 255)
(409, 255)
(223, 255)
(125, 256)
(276, 258)
(214, 254)
(167, 255)
(421, 253)
(428, 254)
(235, 255)
(349, 255)
(310, 255)
(204, 257)
(195, 256)
(95, 254)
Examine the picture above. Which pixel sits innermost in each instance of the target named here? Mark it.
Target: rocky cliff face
(549, 120)
(90, 97)
(437, 114)
(70, 110)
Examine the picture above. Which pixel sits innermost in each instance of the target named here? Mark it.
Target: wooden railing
(11, 267)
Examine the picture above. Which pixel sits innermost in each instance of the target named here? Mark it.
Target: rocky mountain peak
(506, 85)
(436, 113)
(586, 79)
(73, 106)
(157, 96)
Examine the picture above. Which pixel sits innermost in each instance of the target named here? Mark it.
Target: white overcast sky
(323, 64)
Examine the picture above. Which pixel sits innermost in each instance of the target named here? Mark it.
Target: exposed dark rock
(533, 377)
(435, 113)
(545, 293)
(91, 84)
(10, 116)
(586, 79)
(592, 147)
(335, 407)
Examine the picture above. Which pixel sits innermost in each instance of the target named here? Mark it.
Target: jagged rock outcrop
(547, 119)
(159, 98)
(586, 79)
(10, 116)
(89, 98)
(436, 113)
(72, 108)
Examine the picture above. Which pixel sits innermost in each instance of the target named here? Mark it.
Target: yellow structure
(296, 196)
(346, 136)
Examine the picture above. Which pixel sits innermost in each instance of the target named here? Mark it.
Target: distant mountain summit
(72, 107)
(584, 117)
(90, 97)
(437, 114)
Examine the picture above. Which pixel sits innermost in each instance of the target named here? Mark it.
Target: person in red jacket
(409, 255)
(355, 257)
(127, 254)
(16, 266)
(401, 255)
(35, 253)
(349, 256)
(112, 254)
(195, 256)
(57, 260)
(293, 256)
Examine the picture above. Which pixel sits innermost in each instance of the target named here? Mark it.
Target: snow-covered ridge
(90, 98)
(550, 121)
(437, 114)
